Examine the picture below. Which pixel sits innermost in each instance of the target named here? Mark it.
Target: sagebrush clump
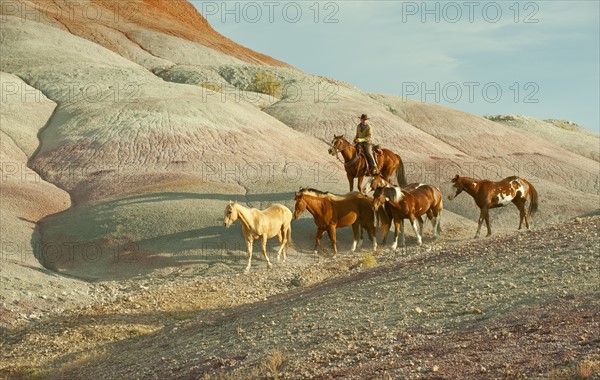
(266, 82)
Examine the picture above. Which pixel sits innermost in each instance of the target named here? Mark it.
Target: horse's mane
(326, 194)
(315, 192)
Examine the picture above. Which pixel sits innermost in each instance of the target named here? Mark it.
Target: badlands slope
(137, 157)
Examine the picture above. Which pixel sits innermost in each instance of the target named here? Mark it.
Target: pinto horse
(256, 224)
(391, 191)
(394, 193)
(356, 164)
(332, 212)
(411, 204)
(488, 194)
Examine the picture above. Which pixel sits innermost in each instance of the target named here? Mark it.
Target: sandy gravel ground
(518, 305)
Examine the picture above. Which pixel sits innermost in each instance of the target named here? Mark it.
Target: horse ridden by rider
(359, 161)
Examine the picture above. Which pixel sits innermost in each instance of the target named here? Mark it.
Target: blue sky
(537, 58)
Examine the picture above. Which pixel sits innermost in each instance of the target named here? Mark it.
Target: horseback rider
(363, 140)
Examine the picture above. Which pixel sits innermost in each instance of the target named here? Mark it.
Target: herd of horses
(389, 204)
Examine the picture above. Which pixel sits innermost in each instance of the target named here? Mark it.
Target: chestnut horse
(488, 194)
(356, 165)
(330, 214)
(411, 204)
(274, 221)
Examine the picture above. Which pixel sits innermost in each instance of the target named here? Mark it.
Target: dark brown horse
(331, 212)
(411, 204)
(488, 194)
(356, 164)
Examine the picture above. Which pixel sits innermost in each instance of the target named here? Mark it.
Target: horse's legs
(372, 235)
(522, 213)
(402, 239)
(249, 244)
(360, 181)
(362, 235)
(386, 229)
(521, 216)
(431, 216)
(356, 232)
(396, 230)
(481, 218)
(264, 250)
(282, 237)
(350, 181)
(420, 221)
(320, 232)
(414, 223)
(487, 222)
(437, 226)
(332, 236)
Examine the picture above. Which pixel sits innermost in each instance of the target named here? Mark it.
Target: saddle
(377, 150)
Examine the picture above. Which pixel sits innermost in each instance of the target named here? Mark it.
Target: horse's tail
(439, 222)
(533, 200)
(401, 174)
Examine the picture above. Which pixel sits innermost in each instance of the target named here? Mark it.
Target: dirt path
(524, 305)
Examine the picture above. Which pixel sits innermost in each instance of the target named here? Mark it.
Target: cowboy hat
(363, 117)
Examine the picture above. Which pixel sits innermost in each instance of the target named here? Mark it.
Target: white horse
(256, 224)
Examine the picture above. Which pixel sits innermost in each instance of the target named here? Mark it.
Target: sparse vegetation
(582, 370)
(368, 260)
(273, 363)
(564, 124)
(266, 82)
(212, 86)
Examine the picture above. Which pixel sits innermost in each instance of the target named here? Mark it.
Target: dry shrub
(272, 364)
(583, 370)
(212, 86)
(267, 83)
(368, 260)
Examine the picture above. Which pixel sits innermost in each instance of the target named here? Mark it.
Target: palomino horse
(422, 200)
(330, 213)
(256, 224)
(356, 165)
(488, 194)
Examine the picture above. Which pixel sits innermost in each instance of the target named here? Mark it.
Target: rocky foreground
(521, 305)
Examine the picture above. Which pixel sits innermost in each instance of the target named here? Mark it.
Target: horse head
(338, 144)
(458, 186)
(231, 214)
(379, 181)
(300, 205)
(379, 198)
